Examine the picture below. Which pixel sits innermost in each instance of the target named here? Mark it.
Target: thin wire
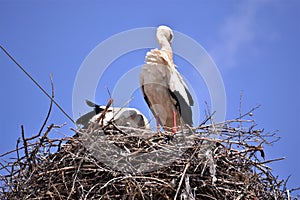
(37, 84)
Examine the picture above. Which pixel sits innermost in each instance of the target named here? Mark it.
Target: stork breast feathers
(156, 56)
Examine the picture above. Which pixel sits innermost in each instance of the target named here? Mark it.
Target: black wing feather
(183, 107)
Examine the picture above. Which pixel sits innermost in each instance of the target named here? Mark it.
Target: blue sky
(255, 45)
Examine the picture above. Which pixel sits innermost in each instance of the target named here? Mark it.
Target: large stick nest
(212, 161)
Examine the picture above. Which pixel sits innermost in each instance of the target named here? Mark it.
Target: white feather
(176, 83)
(117, 113)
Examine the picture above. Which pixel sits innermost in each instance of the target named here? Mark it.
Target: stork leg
(157, 124)
(174, 122)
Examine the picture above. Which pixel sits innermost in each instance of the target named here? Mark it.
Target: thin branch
(184, 171)
(50, 107)
(206, 120)
(36, 83)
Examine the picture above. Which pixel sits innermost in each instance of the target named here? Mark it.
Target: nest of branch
(212, 161)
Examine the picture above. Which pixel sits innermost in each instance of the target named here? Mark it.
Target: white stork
(129, 117)
(163, 87)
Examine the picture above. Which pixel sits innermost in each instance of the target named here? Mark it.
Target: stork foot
(174, 129)
(157, 124)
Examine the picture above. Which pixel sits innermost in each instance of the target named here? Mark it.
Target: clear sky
(255, 45)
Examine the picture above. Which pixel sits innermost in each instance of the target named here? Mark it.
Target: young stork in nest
(129, 117)
(163, 87)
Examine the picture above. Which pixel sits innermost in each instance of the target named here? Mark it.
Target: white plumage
(130, 117)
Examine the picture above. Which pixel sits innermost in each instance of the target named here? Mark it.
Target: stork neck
(165, 45)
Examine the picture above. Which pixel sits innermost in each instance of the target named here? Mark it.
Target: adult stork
(163, 88)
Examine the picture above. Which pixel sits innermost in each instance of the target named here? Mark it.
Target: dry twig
(131, 163)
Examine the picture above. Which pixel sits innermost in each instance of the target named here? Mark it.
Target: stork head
(164, 34)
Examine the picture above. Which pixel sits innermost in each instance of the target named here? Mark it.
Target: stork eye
(171, 37)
